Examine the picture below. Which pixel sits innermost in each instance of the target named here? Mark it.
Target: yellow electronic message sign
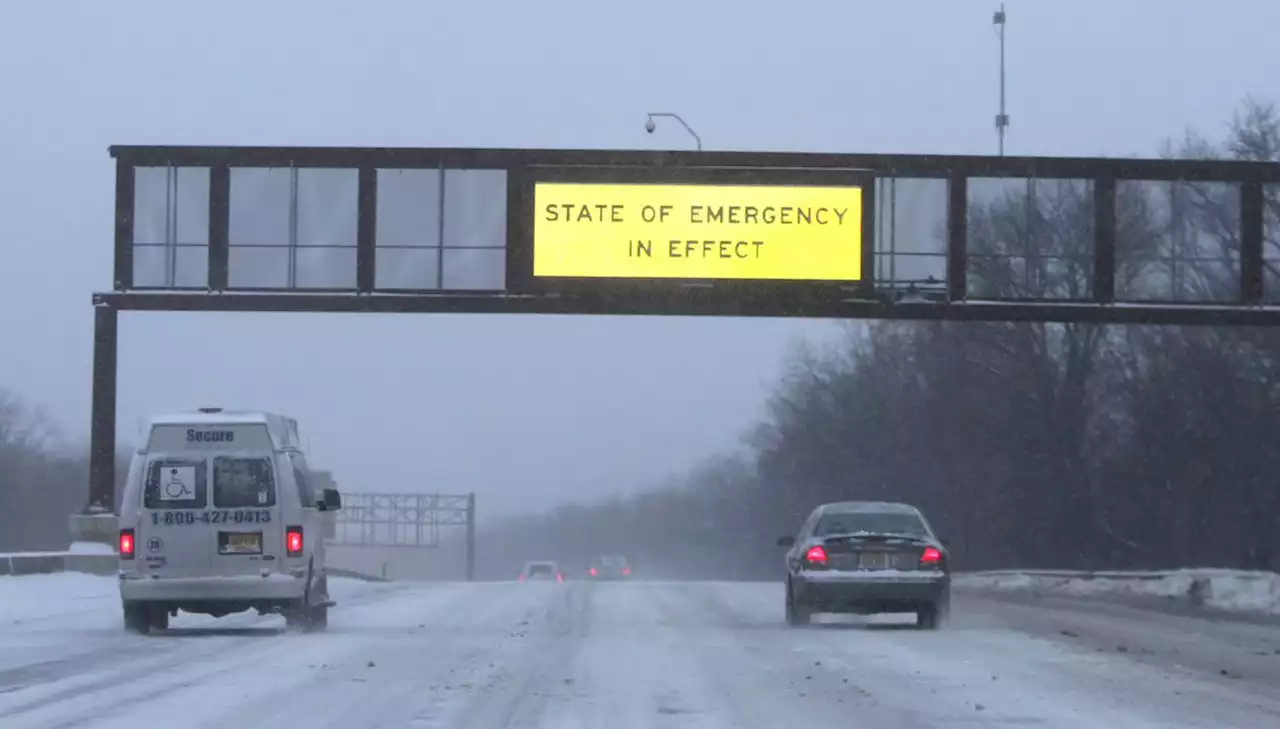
(671, 231)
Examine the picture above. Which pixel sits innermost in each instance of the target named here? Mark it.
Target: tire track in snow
(155, 662)
(517, 696)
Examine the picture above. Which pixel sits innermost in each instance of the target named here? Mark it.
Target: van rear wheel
(158, 618)
(307, 618)
(137, 617)
(318, 618)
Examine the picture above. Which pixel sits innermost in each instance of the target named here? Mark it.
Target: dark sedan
(867, 557)
(609, 567)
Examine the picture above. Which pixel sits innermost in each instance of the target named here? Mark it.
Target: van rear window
(243, 482)
(175, 483)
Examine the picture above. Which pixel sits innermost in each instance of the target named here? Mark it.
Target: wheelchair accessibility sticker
(178, 484)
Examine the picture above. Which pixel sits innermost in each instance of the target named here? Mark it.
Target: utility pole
(1002, 119)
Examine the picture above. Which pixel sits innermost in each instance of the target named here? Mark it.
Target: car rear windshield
(539, 569)
(175, 483)
(875, 522)
(243, 482)
(613, 561)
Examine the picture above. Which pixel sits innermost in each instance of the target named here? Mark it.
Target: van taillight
(293, 541)
(126, 544)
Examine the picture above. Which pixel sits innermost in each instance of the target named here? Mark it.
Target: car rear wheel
(797, 614)
(928, 617)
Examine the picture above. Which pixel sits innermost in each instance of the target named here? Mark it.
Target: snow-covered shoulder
(1233, 590)
(90, 597)
(90, 548)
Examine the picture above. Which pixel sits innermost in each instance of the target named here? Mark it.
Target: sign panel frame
(520, 240)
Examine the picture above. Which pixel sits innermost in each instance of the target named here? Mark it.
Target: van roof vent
(210, 410)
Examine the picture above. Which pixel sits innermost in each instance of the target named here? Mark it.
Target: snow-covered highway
(706, 655)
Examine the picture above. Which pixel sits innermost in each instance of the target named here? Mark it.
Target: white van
(218, 518)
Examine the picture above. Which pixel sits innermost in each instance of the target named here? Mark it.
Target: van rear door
(172, 532)
(246, 534)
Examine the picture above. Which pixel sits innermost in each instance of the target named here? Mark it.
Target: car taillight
(520, 578)
(626, 570)
(816, 555)
(293, 541)
(559, 577)
(594, 572)
(127, 544)
(932, 555)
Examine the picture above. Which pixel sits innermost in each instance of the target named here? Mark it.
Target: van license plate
(240, 542)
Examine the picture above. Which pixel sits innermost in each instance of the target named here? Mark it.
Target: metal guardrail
(1079, 574)
(1203, 587)
(46, 563)
(1125, 574)
(354, 575)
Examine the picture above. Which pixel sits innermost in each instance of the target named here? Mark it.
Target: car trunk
(872, 552)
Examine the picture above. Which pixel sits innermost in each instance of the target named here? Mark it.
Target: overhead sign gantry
(298, 229)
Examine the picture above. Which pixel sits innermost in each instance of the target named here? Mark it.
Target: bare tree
(39, 482)
(1029, 444)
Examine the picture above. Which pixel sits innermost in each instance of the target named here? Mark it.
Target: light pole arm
(683, 123)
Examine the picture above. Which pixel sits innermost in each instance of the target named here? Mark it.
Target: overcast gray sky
(527, 411)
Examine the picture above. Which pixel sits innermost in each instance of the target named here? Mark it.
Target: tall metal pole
(102, 424)
(471, 537)
(1002, 119)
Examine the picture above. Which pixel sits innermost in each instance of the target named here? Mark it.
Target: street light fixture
(650, 125)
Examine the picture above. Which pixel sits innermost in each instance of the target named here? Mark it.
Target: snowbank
(1233, 590)
(39, 596)
(75, 548)
(90, 548)
(69, 596)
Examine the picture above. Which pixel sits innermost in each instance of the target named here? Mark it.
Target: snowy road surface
(705, 655)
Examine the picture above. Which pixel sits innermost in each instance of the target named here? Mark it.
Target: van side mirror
(786, 541)
(331, 500)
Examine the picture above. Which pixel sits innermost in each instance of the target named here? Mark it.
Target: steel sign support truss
(405, 520)
(398, 520)
(377, 230)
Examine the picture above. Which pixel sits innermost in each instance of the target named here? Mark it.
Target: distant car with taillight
(219, 516)
(867, 557)
(545, 571)
(609, 567)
